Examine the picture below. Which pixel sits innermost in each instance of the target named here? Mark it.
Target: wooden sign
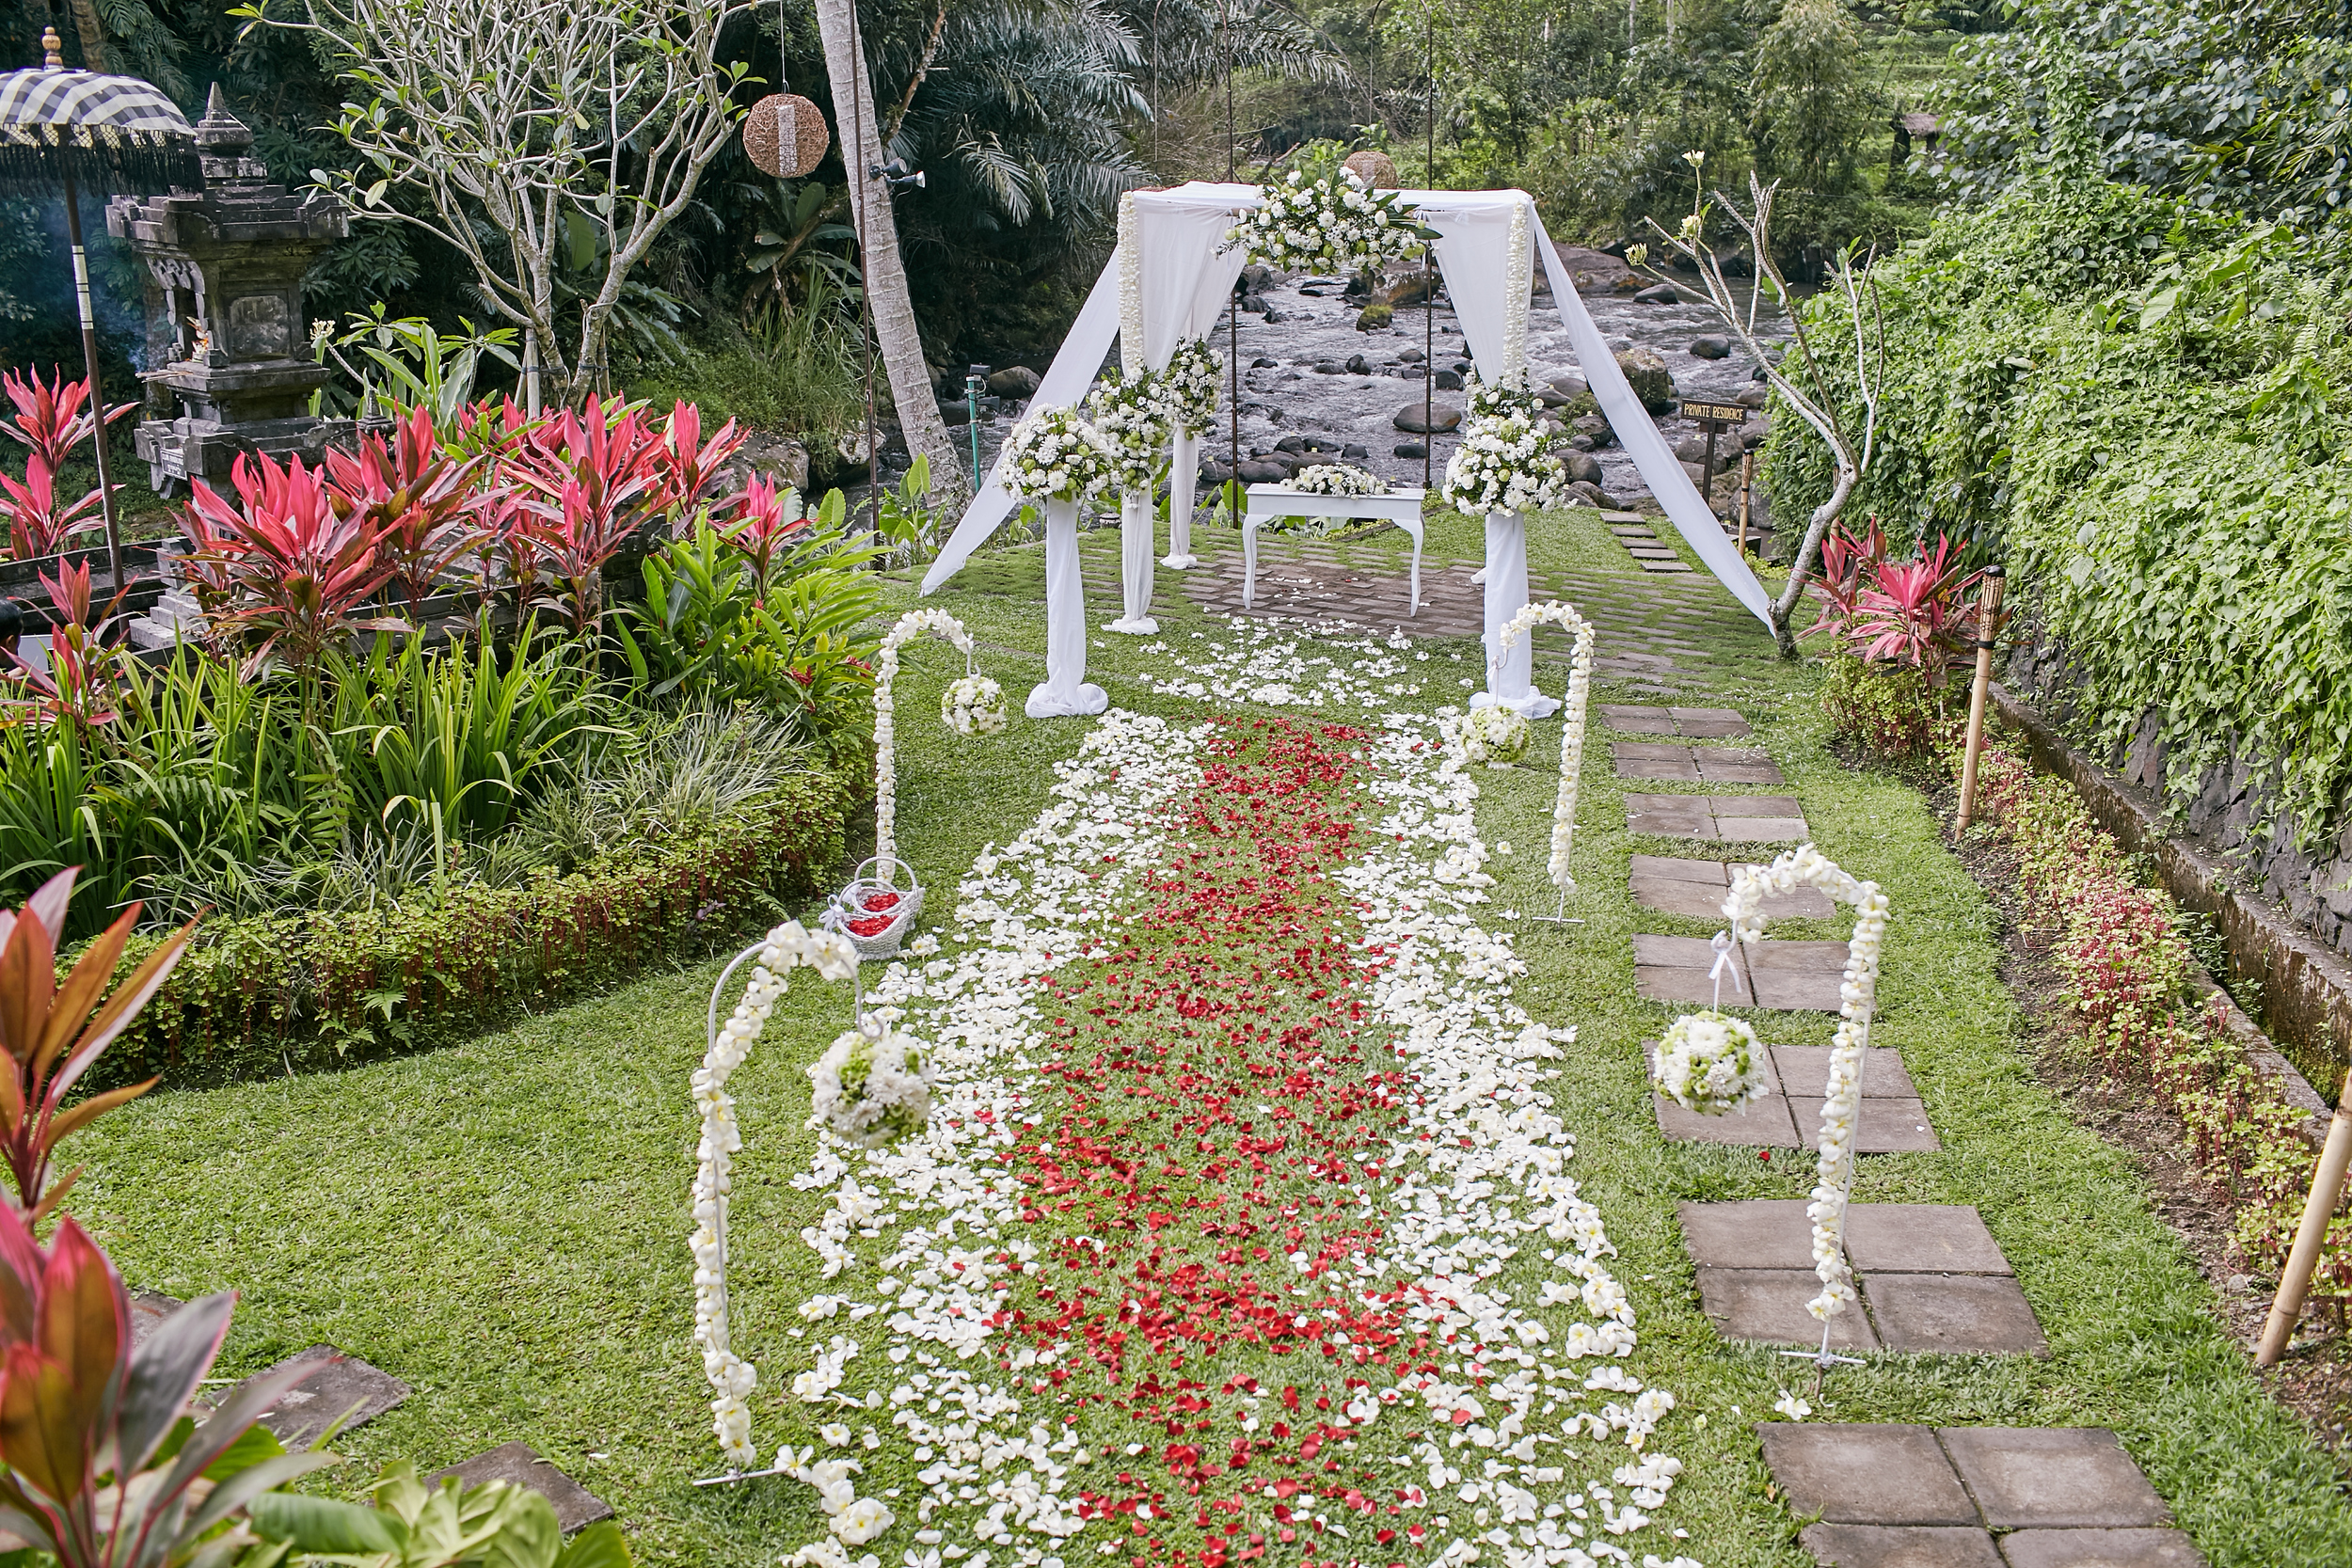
(1714, 413)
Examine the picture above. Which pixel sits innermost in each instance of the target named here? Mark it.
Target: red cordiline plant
(1915, 613)
(51, 422)
(282, 565)
(587, 480)
(52, 1033)
(687, 467)
(103, 1469)
(82, 684)
(419, 499)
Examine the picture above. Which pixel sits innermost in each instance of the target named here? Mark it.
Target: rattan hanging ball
(1376, 170)
(784, 135)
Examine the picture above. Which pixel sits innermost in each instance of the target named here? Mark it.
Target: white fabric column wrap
(1510, 676)
(1134, 565)
(1183, 474)
(1065, 691)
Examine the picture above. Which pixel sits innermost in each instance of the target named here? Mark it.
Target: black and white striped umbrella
(103, 132)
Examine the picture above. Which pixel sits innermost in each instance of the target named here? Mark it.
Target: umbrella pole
(97, 397)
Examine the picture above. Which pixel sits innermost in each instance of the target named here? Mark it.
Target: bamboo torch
(2326, 1187)
(1988, 610)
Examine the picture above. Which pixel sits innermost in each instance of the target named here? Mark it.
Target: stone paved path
(1648, 549)
(1735, 819)
(1648, 759)
(1893, 1120)
(1701, 723)
(1697, 888)
(1917, 1496)
(1930, 1274)
(1797, 975)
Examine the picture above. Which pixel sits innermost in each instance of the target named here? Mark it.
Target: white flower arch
(1841, 1104)
(1571, 742)
(913, 623)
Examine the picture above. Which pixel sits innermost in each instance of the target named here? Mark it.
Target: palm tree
(895, 330)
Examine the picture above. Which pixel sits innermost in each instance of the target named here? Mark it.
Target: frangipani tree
(1813, 401)
(528, 129)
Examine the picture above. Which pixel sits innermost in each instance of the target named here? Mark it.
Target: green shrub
(1887, 708)
(265, 995)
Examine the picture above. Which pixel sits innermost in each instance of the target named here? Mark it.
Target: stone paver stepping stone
(520, 1465)
(148, 1308)
(1742, 818)
(1698, 723)
(1790, 975)
(1651, 759)
(1894, 1121)
(1932, 1280)
(1887, 1498)
(345, 1391)
(1697, 888)
(1899, 1546)
(2101, 1549)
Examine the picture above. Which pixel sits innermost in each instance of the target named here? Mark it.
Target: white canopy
(1188, 276)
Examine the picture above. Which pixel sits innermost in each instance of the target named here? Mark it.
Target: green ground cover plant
(502, 1223)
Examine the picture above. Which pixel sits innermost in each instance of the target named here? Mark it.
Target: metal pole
(1233, 305)
(2326, 1187)
(1429, 259)
(1988, 606)
(853, 164)
(973, 384)
(1747, 494)
(97, 395)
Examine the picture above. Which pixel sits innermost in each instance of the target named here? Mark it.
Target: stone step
(1894, 1120)
(1931, 1277)
(1729, 819)
(1697, 888)
(1717, 764)
(1697, 723)
(520, 1465)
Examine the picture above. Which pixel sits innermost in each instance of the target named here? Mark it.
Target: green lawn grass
(502, 1224)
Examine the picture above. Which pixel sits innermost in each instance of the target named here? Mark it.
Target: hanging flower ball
(784, 134)
(1495, 735)
(973, 705)
(1708, 1063)
(872, 1086)
(1376, 169)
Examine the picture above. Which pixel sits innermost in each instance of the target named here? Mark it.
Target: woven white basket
(877, 878)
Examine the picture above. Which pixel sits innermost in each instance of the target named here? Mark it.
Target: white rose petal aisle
(1240, 1230)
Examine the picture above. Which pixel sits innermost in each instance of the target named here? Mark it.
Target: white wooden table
(1401, 506)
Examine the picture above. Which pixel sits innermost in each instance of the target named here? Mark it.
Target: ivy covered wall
(2140, 408)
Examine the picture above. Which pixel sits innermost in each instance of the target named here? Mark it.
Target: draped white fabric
(1135, 517)
(1510, 672)
(1186, 279)
(1066, 691)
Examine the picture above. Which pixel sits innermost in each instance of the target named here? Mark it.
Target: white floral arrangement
(1338, 479)
(1336, 224)
(873, 1085)
(972, 705)
(1842, 1104)
(1191, 385)
(1495, 735)
(1125, 412)
(1054, 455)
(1509, 459)
(1707, 1062)
(732, 1379)
(1572, 737)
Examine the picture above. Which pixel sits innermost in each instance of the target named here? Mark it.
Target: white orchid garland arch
(1563, 615)
(790, 946)
(1841, 1104)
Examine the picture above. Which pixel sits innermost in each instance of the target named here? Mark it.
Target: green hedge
(269, 995)
(2138, 407)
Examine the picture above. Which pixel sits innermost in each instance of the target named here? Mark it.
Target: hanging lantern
(1376, 169)
(784, 135)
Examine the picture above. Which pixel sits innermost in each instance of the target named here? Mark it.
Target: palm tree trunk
(895, 329)
(93, 34)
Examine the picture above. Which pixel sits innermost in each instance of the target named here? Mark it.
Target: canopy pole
(97, 396)
(1429, 264)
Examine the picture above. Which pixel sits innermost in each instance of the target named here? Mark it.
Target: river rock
(1592, 495)
(1261, 471)
(954, 413)
(1581, 442)
(1711, 347)
(1411, 356)
(1752, 434)
(1754, 397)
(1651, 381)
(1592, 271)
(1355, 451)
(782, 459)
(1581, 465)
(1661, 293)
(1013, 381)
(1373, 317)
(1441, 415)
(1256, 279)
(1330, 367)
(1358, 365)
(1272, 315)
(1448, 381)
(1412, 449)
(1569, 386)
(1411, 288)
(1692, 449)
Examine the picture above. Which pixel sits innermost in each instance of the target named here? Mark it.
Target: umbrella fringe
(37, 170)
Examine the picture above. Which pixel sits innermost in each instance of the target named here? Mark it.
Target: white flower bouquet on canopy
(1335, 224)
(1054, 455)
(1126, 411)
(1189, 386)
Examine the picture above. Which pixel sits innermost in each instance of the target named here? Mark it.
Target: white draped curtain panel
(1188, 276)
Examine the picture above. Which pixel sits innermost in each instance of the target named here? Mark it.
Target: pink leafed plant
(418, 498)
(687, 465)
(38, 523)
(49, 415)
(761, 524)
(586, 480)
(82, 686)
(1914, 614)
(281, 565)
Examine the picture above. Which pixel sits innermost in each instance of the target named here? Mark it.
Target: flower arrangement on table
(1338, 479)
(790, 946)
(874, 912)
(1572, 737)
(1127, 412)
(1189, 386)
(1841, 1105)
(1054, 455)
(1335, 224)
